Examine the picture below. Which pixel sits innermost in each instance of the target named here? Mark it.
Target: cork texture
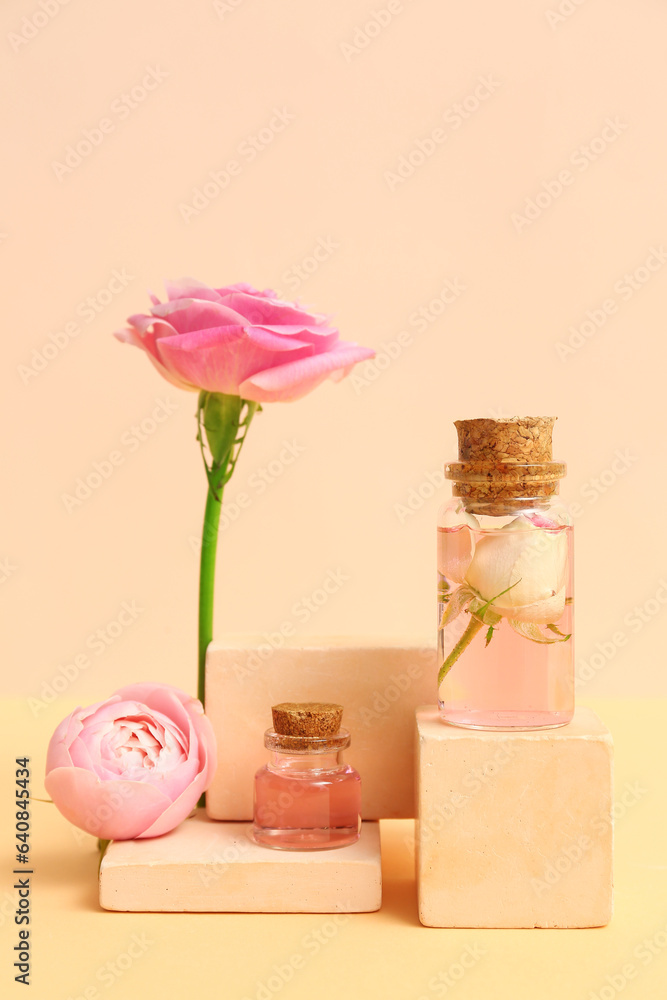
(511, 439)
(311, 718)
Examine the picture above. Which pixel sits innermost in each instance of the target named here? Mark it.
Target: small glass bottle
(306, 798)
(505, 575)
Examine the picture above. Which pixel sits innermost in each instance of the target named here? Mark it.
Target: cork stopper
(311, 718)
(509, 439)
(504, 463)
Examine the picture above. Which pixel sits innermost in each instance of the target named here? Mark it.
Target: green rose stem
(480, 617)
(209, 551)
(474, 625)
(225, 420)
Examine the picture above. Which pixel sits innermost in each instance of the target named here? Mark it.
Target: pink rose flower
(134, 765)
(241, 342)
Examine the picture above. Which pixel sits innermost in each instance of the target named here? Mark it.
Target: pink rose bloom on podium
(134, 765)
(238, 348)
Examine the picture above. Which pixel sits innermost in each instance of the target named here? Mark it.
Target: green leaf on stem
(487, 617)
(484, 614)
(223, 420)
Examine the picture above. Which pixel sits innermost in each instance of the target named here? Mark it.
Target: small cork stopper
(509, 439)
(504, 463)
(311, 718)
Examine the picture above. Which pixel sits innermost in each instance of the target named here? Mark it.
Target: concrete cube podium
(210, 867)
(379, 686)
(514, 829)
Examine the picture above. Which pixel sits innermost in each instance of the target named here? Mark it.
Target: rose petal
(186, 802)
(111, 810)
(81, 757)
(130, 336)
(208, 748)
(259, 310)
(455, 550)
(323, 338)
(164, 698)
(545, 612)
(66, 732)
(190, 288)
(220, 360)
(175, 813)
(242, 286)
(297, 378)
(188, 315)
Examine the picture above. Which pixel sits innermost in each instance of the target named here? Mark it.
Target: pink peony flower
(240, 342)
(134, 765)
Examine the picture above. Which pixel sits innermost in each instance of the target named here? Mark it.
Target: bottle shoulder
(549, 512)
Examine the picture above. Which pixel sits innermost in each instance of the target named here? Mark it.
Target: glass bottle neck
(305, 762)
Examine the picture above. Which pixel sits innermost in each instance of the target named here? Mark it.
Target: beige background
(370, 445)
(361, 95)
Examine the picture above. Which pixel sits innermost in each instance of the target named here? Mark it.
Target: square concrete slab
(208, 866)
(514, 828)
(379, 686)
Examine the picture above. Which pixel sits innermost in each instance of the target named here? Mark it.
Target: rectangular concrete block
(514, 829)
(379, 686)
(206, 866)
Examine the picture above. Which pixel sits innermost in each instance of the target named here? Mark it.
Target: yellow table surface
(80, 950)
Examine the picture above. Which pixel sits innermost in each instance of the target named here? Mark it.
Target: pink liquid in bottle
(503, 678)
(305, 804)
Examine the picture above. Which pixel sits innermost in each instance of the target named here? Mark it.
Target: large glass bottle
(505, 574)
